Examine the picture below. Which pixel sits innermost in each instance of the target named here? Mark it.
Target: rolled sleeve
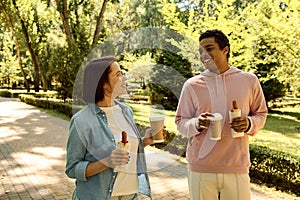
(76, 165)
(251, 127)
(80, 170)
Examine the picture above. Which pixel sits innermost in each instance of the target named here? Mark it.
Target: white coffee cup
(215, 126)
(157, 124)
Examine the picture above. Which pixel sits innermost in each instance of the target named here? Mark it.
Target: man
(218, 169)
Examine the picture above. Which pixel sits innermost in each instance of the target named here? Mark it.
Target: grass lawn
(281, 132)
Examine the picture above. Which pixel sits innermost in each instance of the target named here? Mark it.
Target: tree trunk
(17, 45)
(99, 21)
(63, 11)
(37, 66)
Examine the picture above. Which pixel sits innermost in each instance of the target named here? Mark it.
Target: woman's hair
(95, 76)
(220, 38)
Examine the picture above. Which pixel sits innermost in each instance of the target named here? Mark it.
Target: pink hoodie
(214, 93)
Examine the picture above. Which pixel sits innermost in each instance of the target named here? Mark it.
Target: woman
(93, 158)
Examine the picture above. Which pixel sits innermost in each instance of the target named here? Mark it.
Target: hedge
(275, 169)
(7, 93)
(51, 104)
(271, 167)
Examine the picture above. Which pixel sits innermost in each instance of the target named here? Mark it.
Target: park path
(32, 159)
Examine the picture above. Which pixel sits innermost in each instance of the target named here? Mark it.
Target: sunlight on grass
(56, 114)
(281, 131)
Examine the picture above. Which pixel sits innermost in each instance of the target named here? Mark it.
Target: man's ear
(226, 50)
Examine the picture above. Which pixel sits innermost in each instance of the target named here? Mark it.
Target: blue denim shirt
(91, 140)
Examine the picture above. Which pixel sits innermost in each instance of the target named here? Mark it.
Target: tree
(9, 20)
(47, 27)
(253, 29)
(38, 68)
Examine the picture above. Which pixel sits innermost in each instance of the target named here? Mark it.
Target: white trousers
(209, 186)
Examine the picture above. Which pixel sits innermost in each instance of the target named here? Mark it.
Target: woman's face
(116, 85)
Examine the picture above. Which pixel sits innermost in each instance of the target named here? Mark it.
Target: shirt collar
(95, 108)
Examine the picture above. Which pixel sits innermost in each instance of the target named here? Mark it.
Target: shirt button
(109, 190)
(112, 139)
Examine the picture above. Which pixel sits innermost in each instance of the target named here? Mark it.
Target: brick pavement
(32, 159)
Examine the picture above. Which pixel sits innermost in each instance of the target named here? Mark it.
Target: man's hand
(240, 124)
(202, 122)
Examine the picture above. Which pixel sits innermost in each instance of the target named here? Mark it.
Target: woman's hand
(148, 139)
(117, 157)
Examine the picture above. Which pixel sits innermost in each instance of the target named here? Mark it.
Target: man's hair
(220, 38)
(95, 76)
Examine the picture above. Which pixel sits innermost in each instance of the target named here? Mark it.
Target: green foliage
(5, 93)
(275, 168)
(273, 89)
(167, 78)
(63, 71)
(264, 36)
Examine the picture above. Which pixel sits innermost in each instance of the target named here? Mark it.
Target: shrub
(275, 168)
(65, 108)
(7, 93)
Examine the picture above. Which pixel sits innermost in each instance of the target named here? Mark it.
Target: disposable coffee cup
(233, 115)
(157, 124)
(215, 126)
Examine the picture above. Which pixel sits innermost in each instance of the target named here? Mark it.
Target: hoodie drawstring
(223, 77)
(217, 87)
(224, 85)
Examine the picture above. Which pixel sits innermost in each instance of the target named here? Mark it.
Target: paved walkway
(32, 159)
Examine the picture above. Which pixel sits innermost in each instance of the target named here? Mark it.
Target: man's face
(213, 58)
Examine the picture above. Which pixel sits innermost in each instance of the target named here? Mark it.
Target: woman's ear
(105, 87)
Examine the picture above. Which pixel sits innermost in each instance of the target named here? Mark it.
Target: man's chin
(213, 69)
